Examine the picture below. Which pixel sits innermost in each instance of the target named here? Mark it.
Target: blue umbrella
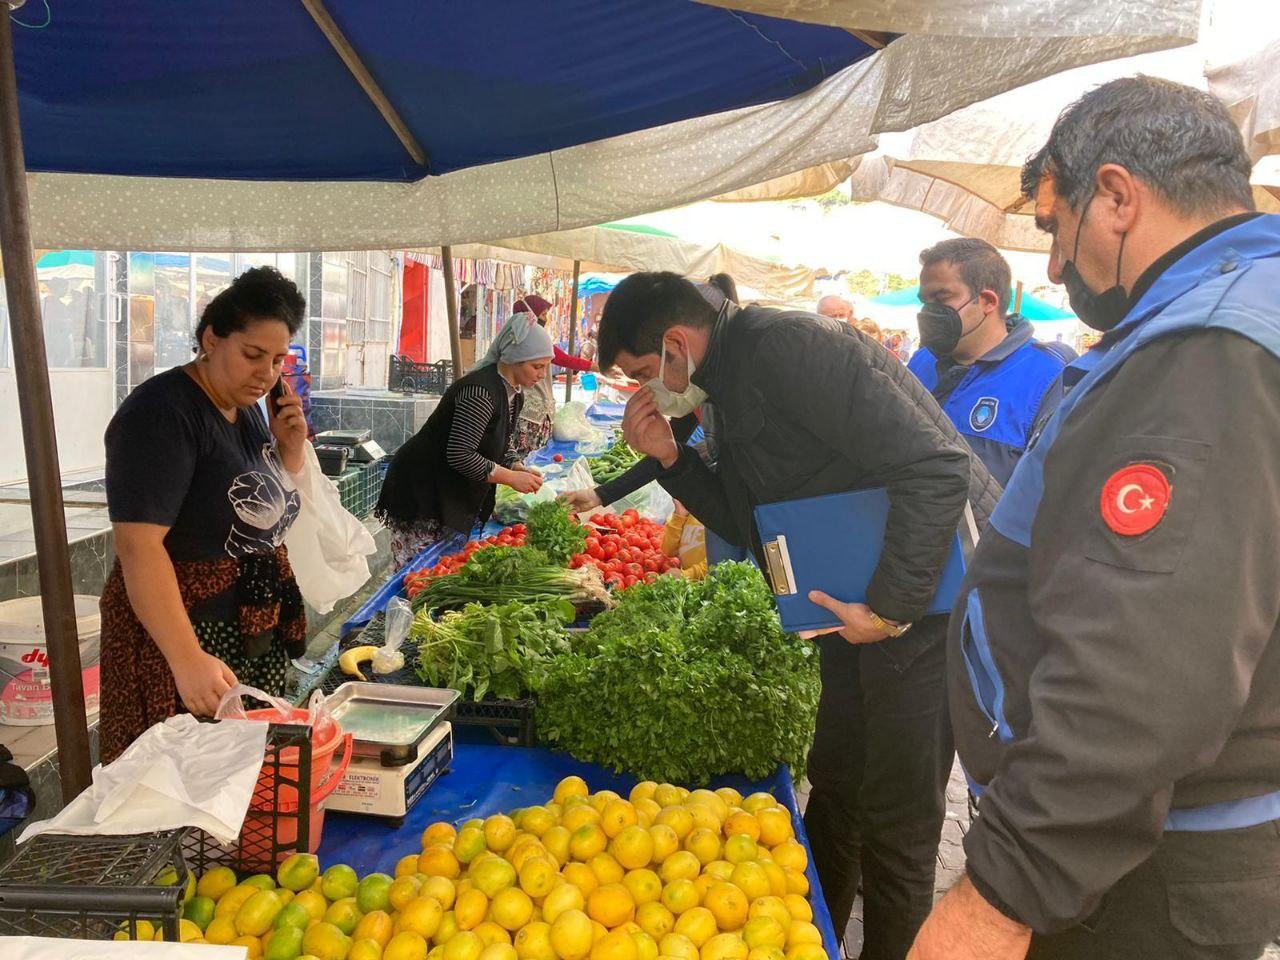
(1031, 308)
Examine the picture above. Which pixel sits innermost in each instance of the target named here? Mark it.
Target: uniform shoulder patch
(1135, 499)
(983, 413)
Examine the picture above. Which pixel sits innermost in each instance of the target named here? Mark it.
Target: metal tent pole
(31, 371)
(573, 328)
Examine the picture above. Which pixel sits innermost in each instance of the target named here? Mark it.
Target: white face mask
(670, 403)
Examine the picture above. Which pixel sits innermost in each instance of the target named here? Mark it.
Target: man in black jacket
(805, 406)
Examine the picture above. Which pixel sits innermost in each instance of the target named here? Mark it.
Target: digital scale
(363, 448)
(402, 743)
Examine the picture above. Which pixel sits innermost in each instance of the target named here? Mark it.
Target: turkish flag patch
(1135, 499)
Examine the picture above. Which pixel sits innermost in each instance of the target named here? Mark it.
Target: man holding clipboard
(806, 407)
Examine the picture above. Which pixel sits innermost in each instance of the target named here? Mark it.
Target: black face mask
(1101, 311)
(941, 327)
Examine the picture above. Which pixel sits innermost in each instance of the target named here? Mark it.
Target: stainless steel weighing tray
(390, 721)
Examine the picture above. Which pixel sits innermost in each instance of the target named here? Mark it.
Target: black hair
(260, 293)
(980, 264)
(643, 307)
(1178, 140)
(725, 284)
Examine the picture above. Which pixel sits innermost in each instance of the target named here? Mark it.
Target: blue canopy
(1031, 308)
(589, 286)
(248, 90)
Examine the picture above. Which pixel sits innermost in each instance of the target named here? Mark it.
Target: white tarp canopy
(954, 53)
(965, 168)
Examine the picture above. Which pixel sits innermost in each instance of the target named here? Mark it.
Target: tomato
(650, 577)
(653, 564)
(594, 550)
(615, 579)
(557, 459)
(630, 582)
(610, 548)
(633, 570)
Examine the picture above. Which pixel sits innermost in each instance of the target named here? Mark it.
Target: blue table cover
(485, 779)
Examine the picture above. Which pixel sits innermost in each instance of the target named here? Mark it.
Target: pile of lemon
(666, 874)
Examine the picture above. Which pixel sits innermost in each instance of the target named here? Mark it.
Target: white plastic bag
(571, 424)
(328, 546)
(650, 501)
(399, 618)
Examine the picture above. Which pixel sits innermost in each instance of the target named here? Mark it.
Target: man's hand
(858, 626)
(963, 926)
(647, 431)
(580, 501)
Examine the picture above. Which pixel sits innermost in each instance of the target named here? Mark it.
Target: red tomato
(650, 577)
(520, 529)
(633, 570)
(557, 459)
(653, 564)
(614, 578)
(629, 582)
(594, 550)
(610, 548)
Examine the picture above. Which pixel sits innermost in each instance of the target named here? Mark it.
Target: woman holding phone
(200, 495)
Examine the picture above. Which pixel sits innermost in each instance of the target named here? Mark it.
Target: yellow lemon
(742, 823)
(665, 795)
(556, 842)
(439, 861)
(646, 946)
(447, 930)
(404, 890)
(492, 876)
(802, 932)
(646, 810)
(703, 844)
(615, 945)
(680, 896)
(704, 815)
(665, 842)
(775, 908)
(406, 946)
(365, 950)
(533, 850)
(570, 787)
(764, 932)
(759, 801)
(678, 818)
(375, 925)
(680, 866)
(580, 816)
(724, 946)
(706, 798)
(806, 951)
(798, 907)
(601, 799)
(438, 834)
(511, 908)
(298, 872)
(698, 924)
(407, 866)
(775, 826)
(441, 889)
(739, 849)
(766, 953)
(231, 901)
(467, 945)
(587, 841)
(534, 942)
(655, 919)
(790, 856)
(470, 909)
(221, 930)
(797, 882)
(720, 869)
(611, 905)
(490, 933)
(730, 796)
(606, 868)
(644, 886)
(537, 877)
(581, 876)
(616, 816)
(258, 913)
(339, 882)
(326, 942)
(644, 790)
(499, 832)
(704, 883)
(750, 876)
(678, 947)
(421, 916)
(216, 882)
(344, 914)
(498, 951)
(728, 905)
(252, 946)
(562, 898)
(572, 935)
(536, 820)
(632, 847)
(468, 844)
(777, 878)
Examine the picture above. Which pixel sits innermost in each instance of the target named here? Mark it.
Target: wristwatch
(888, 626)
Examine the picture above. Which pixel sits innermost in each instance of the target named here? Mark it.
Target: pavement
(950, 861)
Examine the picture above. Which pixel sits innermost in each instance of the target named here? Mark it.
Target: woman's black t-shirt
(174, 460)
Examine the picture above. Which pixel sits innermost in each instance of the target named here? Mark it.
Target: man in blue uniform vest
(987, 371)
(1114, 658)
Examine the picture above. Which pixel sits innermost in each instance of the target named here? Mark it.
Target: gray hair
(1178, 140)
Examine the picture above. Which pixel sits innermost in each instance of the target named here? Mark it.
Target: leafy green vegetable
(614, 462)
(500, 650)
(553, 530)
(507, 574)
(684, 681)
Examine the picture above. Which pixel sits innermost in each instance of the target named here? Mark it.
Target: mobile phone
(277, 393)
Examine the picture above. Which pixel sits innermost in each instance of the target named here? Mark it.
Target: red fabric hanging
(413, 326)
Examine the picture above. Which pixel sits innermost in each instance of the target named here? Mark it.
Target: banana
(351, 659)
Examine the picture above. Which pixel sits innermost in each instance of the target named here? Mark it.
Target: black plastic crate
(510, 721)
(410, 376)
(91, 887)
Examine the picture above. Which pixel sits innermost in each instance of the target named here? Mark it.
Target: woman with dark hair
(442, 481)
(200, 498)
(534, 427)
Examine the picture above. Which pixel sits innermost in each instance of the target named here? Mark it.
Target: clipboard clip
(778, 560)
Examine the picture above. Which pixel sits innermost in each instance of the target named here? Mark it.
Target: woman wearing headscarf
(534, 428)
(442, 481)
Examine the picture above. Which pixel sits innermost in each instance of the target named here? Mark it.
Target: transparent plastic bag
(571, 424)
(399, 617)
(650, 501)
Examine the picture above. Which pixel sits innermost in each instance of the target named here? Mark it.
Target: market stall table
(487, 779)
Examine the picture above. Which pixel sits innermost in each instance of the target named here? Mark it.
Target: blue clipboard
(833, 544)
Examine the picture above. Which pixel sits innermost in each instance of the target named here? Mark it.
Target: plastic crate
(91, 887)
(409, 376)
(511, 722)
(359, 487)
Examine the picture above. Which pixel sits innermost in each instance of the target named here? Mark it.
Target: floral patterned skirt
(410, 538)
(531, 435)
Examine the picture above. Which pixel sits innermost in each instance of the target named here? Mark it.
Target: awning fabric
(242, 129)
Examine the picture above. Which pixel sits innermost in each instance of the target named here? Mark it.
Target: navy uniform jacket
(1114, 656)
(999, 401)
